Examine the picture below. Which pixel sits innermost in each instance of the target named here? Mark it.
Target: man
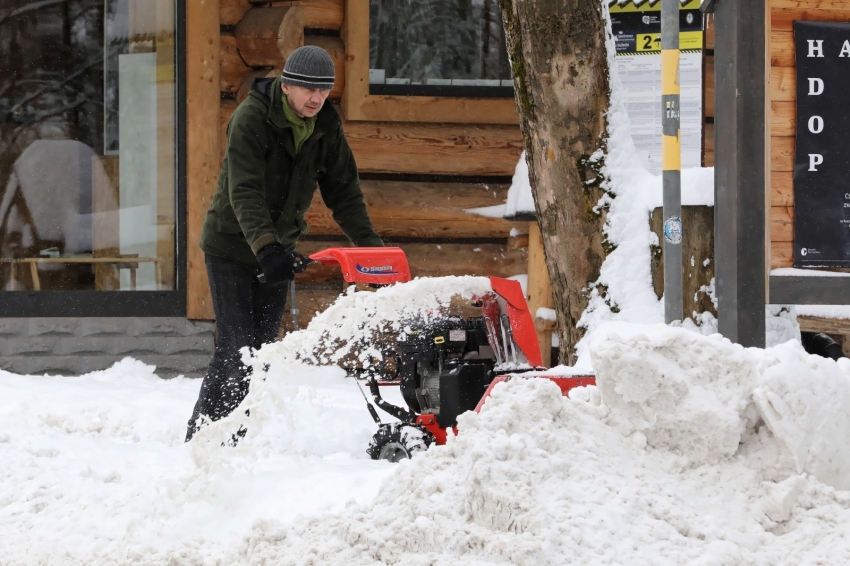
(281, 141)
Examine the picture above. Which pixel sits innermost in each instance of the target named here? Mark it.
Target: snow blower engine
(444, 364)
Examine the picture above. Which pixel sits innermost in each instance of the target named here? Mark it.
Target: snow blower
(444, 366)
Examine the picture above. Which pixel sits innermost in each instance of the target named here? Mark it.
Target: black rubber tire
(399, 441)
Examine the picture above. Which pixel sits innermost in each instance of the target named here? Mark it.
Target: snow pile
(691, 450)
(539, 479)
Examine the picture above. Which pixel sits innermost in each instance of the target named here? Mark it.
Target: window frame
(358, 104)
(90, 303)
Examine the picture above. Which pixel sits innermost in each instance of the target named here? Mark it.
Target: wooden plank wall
(428, 219)
(783, 112)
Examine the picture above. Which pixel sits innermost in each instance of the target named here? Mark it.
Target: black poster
(822, 161)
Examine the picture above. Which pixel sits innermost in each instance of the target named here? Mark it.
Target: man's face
(305, 102)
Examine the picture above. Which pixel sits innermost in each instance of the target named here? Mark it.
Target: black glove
(279, 265)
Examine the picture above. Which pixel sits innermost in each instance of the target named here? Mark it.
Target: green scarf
(301, 128)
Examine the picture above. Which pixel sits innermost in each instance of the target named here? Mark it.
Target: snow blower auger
(444, 366)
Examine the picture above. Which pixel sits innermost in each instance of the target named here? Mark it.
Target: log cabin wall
(782, 87)
(418, 175)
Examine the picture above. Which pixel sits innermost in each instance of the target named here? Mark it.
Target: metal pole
(671, 160)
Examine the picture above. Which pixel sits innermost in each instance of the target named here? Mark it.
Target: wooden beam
(232, 11)
(202, 152)
(422, 210)
(233, 69)
(826, 325)
(430, 260)
(266, 36)
(781, 224)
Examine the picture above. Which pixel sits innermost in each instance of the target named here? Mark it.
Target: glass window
(87, 145)
(438, 48)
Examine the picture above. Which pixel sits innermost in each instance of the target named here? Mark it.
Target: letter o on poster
(816, 124)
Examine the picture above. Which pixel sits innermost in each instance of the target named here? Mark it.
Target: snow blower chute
(446, 366)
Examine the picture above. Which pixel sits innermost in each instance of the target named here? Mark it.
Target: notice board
(637, 34)
(822, 155)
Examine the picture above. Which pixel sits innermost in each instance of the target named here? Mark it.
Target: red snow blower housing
(446, 365)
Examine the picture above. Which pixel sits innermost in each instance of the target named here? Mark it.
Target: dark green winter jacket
(265, 188)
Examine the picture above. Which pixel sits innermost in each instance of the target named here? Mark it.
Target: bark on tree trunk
(560, 69)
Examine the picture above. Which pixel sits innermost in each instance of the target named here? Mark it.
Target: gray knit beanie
(309, 67)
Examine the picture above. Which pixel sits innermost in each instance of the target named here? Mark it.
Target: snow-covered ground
(692, 450)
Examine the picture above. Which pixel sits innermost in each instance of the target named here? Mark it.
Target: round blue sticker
(673, 230)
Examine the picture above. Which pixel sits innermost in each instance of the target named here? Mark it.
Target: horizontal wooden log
(781, 188)
(782, 49)
(709, 159)
(440, 149)
(708, 137)
(783, 84)
(431, 260)
(709, 31)
(781, 224)
(233, 69)
(335, 48)
(709, 86)
(319, 14)
(266, 36)
(826, 325)
(781, 255)
(434, 109)
(782, 154)
(783, 119)
(782, 19)
(421, 210)
(232, 11)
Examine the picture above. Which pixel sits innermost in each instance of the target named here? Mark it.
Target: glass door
(88, 159)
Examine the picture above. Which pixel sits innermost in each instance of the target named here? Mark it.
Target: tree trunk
(560, 68)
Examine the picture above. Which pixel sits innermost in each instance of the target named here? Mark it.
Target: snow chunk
(685, 392)
(804, 400)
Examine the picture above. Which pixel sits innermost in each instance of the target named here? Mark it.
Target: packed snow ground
(692, 450)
